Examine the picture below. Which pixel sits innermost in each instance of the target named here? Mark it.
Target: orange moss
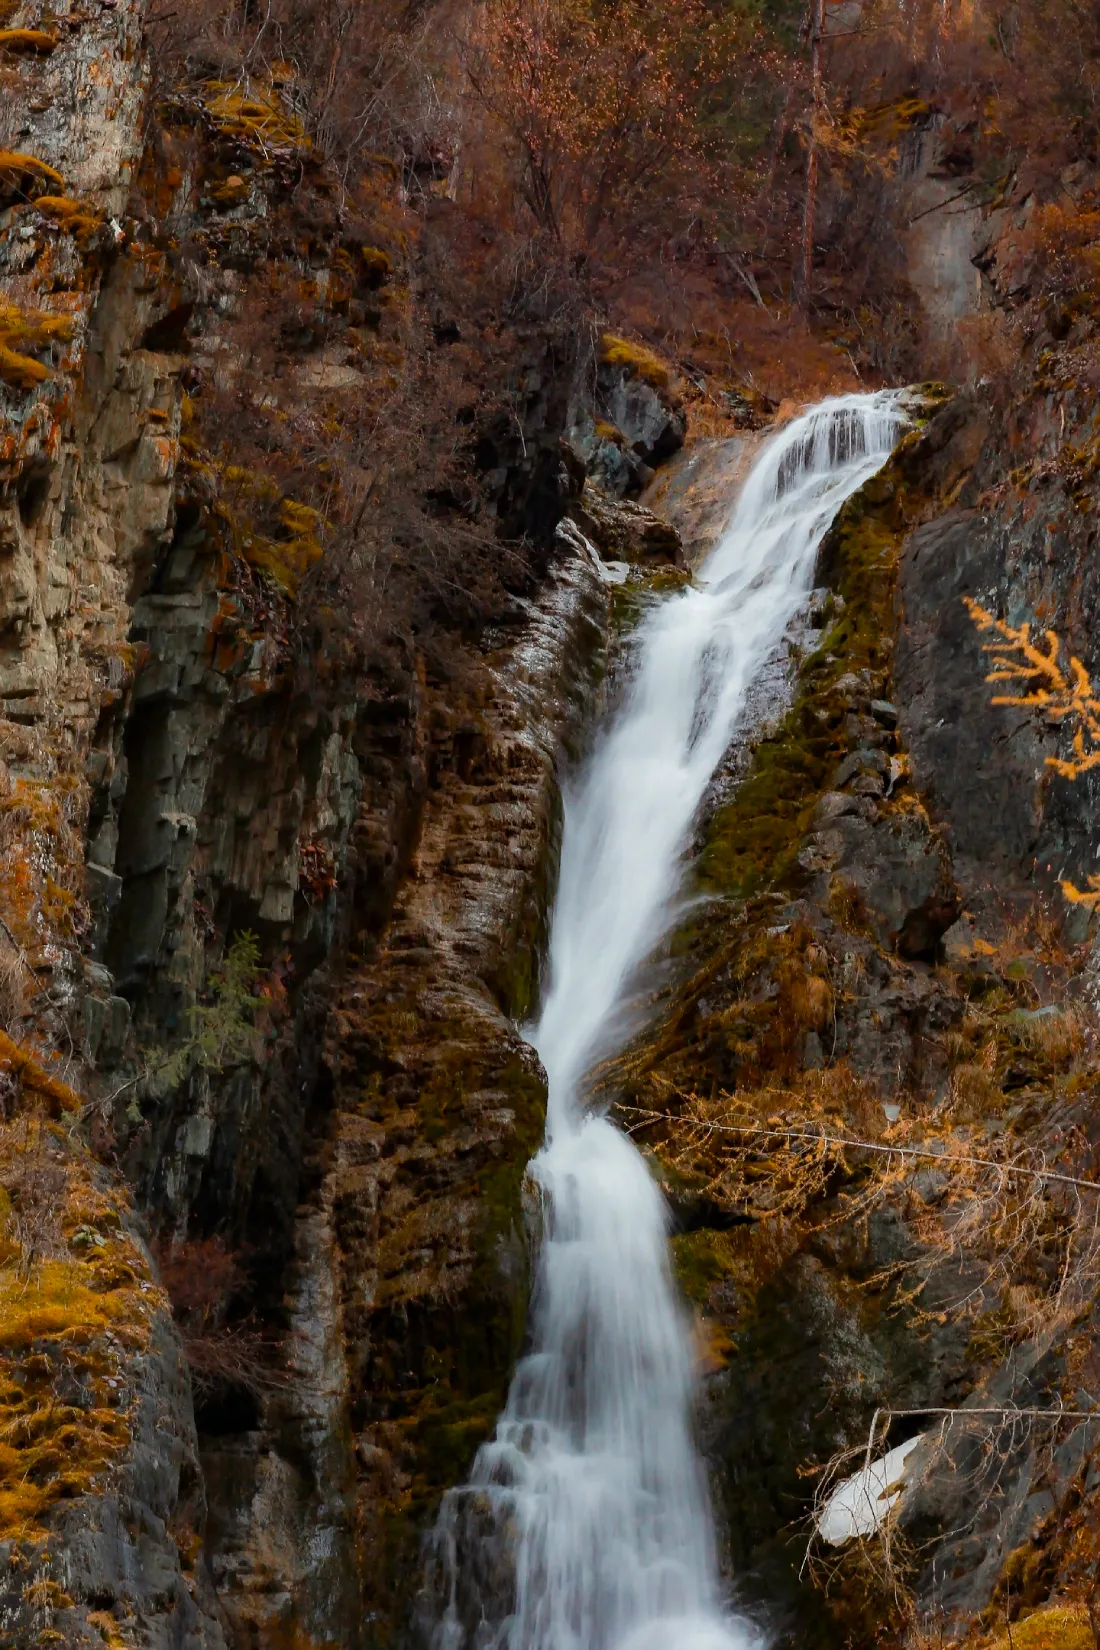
(255, 115)
(41, 862)
(638, 360)
(72, 216)
(26, 176)
(27, 42)
(1054, 1627)
(75, 1292)
(377, 265)
(33, 1075)
(287, 553)
(22, 330)
(231, 192)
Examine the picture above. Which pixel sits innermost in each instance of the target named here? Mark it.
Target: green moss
(701, 1260)
(752, 842)
(448, 1435)
(631, 600)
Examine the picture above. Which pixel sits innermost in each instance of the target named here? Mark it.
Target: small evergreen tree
(222, 1030)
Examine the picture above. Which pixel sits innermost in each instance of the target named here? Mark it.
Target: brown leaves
(605, 108)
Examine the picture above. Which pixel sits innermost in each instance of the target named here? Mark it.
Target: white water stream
(586, 1523)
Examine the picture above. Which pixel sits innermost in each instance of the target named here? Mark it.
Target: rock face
(881, 938)
(694, 490)
(188, 759)
(407, 1290)
(627, 423)
(625, 531)
(1011, 819)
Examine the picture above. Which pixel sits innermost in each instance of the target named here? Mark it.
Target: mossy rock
(1055, 1627)
(24, 177)
(27, 43)
(376, 265)
(638, 360)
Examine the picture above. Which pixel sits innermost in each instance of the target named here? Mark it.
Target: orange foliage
(33, 1075)
(1062, 694)
(604, 107)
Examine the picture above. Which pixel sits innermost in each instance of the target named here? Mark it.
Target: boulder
(623, 530)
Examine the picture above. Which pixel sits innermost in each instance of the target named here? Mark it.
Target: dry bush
(974, 1091)
(978, 1445)
(1059, 1038)
(361, 71)
(35, 1183)
(985, 1215)
(205, 1282)
(610, 113)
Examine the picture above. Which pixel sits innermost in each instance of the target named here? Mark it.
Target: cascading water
(585, 1524)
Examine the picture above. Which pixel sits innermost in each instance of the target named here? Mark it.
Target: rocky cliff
(898, 946)
(304, 601)
(210, 811)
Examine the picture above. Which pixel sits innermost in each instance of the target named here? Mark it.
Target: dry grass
(74, 1297)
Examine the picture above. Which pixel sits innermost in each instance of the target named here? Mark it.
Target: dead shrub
(35, 1180)
(205, 1282)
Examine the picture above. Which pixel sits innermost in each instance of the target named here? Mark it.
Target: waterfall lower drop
(586, 1523)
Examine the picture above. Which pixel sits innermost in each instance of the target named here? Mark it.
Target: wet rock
(624, 530)
(695, 488)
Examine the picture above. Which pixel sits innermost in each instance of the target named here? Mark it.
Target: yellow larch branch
(1017, 658)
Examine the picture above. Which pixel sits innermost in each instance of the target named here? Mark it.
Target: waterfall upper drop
(586, 1523)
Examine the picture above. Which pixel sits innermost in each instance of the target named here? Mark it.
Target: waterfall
(585, 1524)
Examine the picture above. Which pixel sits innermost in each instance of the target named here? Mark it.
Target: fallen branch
(817, 1138)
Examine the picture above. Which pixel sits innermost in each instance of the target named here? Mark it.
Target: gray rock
(653, 426)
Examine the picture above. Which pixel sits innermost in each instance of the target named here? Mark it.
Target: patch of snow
(860, 1504)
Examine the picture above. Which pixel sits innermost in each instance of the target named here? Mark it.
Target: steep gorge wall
(183, 764)
(884, 928)
(186, 757)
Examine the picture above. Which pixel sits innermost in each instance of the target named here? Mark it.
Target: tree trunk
(809, 205)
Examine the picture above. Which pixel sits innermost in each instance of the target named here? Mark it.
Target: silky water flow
(585, 1524)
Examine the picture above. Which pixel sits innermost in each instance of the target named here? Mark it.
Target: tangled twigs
(1010, 1236)
(976, 1443)
(818, 1137)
